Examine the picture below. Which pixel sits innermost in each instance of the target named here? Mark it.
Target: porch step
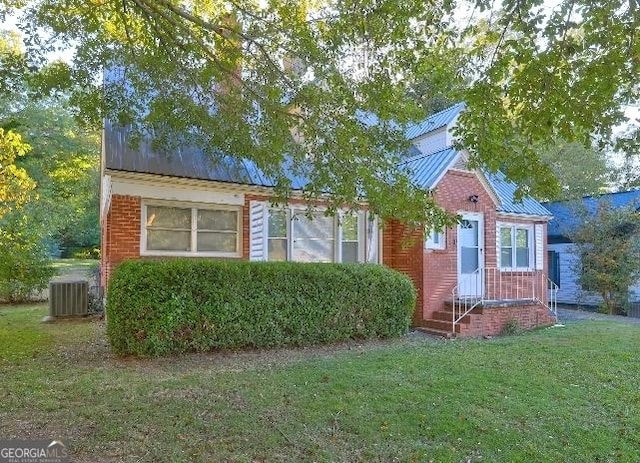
(434, 332)
(446, 315)
(440, 325)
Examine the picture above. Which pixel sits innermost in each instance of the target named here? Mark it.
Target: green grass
(562, 394)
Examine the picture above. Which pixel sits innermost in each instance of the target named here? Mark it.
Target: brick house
(471, 279)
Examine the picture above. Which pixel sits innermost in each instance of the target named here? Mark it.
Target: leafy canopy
(241, 76)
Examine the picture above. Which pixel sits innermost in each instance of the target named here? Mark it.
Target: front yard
(561, 394)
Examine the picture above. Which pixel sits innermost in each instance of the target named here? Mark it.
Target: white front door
(470, 255)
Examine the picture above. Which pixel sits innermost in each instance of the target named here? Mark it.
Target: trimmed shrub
(158, 307)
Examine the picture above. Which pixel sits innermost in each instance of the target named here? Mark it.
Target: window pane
(217, 220)
(506, 257)
(350, 251)
(217, 242)
(505, 237)
(469, 262)
(277, 249)
(168, 240)
(350, 228)
(277, 224)
(168, 217)
(522, 257)
(522, 238)
(469, 233)
(313, 239)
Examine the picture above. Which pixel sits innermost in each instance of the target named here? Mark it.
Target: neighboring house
(563, 258)
(472, 278)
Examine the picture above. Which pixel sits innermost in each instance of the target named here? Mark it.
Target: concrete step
(434, 332)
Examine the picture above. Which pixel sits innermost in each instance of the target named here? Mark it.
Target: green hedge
(158, 307)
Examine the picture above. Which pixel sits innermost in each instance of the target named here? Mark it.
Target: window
(168, 229)
(277, 247)
(516, 250)
(435, 239)
(350, 239)
(313, 238)
(296, 236)
(181, 230)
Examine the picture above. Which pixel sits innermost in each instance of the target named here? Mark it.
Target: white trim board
(175, 192)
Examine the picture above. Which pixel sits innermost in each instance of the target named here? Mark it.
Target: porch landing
(488, 318)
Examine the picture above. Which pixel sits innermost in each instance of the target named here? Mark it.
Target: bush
(511, 328)
(168, 306)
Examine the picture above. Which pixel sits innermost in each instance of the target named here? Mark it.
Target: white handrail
(494, 284)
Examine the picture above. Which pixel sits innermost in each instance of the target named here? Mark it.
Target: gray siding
(570, 291)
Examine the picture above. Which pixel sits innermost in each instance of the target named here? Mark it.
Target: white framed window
(277, 243)
(184, 229)
(435, 239)
(295, 235)
(351, 249)
(516, 246)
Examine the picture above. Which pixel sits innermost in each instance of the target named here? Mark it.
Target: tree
(15, 183)
(580, 171)
(608, 246)
(210, 73)
(64, 161)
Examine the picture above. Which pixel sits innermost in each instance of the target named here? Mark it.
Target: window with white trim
(278, 248)
(296, 236)
(350, 238)
(182, 230)
(435, 239)
(516, 247)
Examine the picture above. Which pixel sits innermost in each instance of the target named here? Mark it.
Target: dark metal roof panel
(183, 162)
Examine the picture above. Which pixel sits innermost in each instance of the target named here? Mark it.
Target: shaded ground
(560, 394)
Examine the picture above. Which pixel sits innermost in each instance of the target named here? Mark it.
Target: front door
(470, 255)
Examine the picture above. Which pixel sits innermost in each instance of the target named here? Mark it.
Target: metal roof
(184, 162)
(506, 192)
(435, 121)
(425, 169)
(568, 214)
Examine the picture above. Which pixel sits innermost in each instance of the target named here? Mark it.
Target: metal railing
(490, 284)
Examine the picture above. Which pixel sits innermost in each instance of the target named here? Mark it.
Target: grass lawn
(558, 395)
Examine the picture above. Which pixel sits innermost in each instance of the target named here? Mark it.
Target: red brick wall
(493, 319)
(441, 267)
(434, 272)
(402, 250)
(120, 233)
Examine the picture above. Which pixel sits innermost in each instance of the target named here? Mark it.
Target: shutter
(372, 238)
(258, 222)
(498, 253)
(539, 232)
